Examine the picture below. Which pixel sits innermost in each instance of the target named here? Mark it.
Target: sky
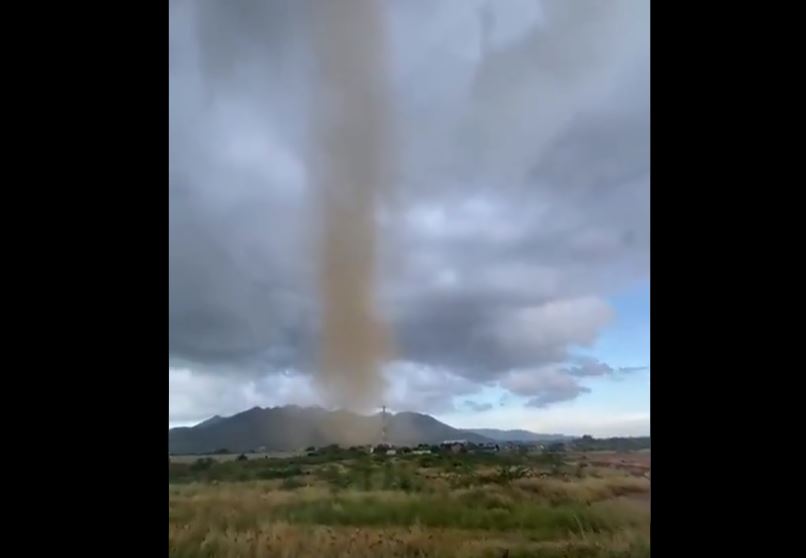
(512, 236)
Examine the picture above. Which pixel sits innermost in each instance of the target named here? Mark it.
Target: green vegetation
(477, 510)
(442, 504)
(588, 443)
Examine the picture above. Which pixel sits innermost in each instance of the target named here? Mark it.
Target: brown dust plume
(350, 164)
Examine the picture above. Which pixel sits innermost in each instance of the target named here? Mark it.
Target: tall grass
(206, 520)
(543, 521)
(282, 539)
(586, 490)
(369, 506)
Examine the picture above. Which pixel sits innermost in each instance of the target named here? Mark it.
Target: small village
(446, 446)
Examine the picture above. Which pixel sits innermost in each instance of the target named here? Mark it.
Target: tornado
(349, 164)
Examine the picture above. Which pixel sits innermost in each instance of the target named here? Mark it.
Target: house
(382, 449)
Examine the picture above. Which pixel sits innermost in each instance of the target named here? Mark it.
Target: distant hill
(293, 428)
(518, 435)
(210, 421)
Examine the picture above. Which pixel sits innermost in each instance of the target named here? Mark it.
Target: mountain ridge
(519, 435)
(293, 428)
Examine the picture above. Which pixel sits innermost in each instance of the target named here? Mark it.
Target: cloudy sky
(513, 236)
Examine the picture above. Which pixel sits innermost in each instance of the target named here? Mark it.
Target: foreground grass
(287, 540)
(439, 505)
(255, 519)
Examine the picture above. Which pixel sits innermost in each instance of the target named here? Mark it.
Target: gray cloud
(555, 396)
(419, 387)
(592, 367)
(478, 407)
(522, 199)
(544, 385)
(631, 369)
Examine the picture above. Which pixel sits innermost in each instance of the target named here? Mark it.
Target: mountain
(293, 428)
(210, 421)
(518, 435)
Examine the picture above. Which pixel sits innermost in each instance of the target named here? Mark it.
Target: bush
(291, 483)
(333, 475)
(361, 475)
(405, 484)
(388, 476)
(279, 473)
(179, 472)
(202, 464)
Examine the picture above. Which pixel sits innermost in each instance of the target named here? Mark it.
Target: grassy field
(352, 504)
(233, 456)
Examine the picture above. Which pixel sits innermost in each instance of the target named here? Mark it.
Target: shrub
(506, 475)
(291, 483)
(202, 464)
(388, 476)
(279, 473)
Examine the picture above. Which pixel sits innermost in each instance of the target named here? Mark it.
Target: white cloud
(193, 397)
(412, 387)
(542, 328)
(567, 418)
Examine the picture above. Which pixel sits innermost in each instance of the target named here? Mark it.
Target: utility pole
(384, 439)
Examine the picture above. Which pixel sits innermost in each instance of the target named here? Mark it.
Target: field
(232, 456)
(349, 503)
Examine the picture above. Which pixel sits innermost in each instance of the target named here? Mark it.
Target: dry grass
(224, 457)
(255, 519)
(282, 539)
(364, 508)
(587, 490)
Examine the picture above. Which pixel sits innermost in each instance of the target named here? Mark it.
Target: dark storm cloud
(521, 201)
